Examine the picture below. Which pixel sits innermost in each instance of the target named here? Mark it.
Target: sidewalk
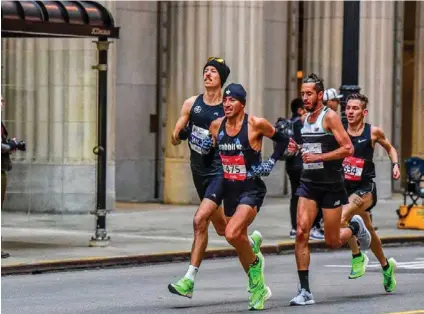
(149, 229)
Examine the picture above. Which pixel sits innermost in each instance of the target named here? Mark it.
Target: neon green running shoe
(359, 266)
(256, 236)
(259, 292)
(183, 287)
(389, 280)
(258, 298)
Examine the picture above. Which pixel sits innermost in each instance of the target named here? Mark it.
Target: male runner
(325, 145)
(239, 137)
(331, 99)
(294, 169)
(199, 111)
(359, 172)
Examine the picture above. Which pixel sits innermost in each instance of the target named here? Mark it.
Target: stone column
(51, 94)
(323, 41)
(418, 106)
(280, 68)
(136, 100)
(376, 64)
(232, 30)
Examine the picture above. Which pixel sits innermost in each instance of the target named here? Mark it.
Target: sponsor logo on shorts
(337, 203)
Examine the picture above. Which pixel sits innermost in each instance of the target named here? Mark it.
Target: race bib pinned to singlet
(312, 148)
(197, 136)
(234, 167)
(353, 168)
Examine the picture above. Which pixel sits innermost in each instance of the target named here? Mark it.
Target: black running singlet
(318, 141)
(237, 155)
(360, 166)
(201, 117)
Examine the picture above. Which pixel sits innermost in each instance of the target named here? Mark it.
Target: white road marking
(418, 263)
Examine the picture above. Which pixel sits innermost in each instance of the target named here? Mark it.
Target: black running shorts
(210, 187)
(250, 192)
(325, 195)
(361, 188)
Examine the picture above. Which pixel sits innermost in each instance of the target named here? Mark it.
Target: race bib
(197, 136)
(353, 168)
(234, 167)
(312, 148)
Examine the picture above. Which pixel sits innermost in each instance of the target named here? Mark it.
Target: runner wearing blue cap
(197, 113)
(238, 137)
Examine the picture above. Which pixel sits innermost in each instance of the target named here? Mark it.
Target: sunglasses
(217, 59)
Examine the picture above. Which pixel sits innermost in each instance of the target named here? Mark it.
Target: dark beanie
(221, 67)
(236, 91)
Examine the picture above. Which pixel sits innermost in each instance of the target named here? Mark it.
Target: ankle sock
(191, 272)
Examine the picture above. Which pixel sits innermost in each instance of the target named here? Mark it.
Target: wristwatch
(396, 163)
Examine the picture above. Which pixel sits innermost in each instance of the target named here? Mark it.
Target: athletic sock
(191, 272)
(385, 268)
(255, 262)
(354, 226)
(304, 279)
(357, 255)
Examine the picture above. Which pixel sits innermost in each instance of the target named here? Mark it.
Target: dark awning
(56, 19)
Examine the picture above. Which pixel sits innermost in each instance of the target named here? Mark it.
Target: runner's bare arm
(333, 124)
(380, 138)
(263, 127)
(214, 128)
(278, 134)
(182, 120)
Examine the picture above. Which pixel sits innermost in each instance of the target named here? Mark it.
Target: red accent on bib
(353, 168)
(234, 167)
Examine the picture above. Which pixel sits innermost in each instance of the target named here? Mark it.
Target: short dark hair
(361, 97)
(296, 104)
(319, 82)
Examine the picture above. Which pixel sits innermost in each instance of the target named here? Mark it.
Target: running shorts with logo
(250, 192)
(326, 195)
(361, 188)
(210, 187)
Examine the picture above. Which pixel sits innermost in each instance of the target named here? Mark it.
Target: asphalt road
(220, 288)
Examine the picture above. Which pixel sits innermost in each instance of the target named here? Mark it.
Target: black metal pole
(101, 238)
(350, 65)
(158, 97)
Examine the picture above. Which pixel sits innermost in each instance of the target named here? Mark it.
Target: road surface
(220, 288)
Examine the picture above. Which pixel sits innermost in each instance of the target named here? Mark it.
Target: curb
(286, 247)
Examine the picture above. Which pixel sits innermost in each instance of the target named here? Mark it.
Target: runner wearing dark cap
(238, 138)
(196, 116)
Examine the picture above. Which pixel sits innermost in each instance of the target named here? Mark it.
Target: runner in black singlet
(238, 137)
(197, 114)
(325, 145)
(359, 172)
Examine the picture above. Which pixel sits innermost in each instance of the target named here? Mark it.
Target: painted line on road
(110, 233)
(408, 312)
(173, 256)
(402, 265)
